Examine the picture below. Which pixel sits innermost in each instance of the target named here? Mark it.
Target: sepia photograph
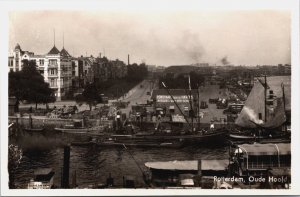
(171, 99)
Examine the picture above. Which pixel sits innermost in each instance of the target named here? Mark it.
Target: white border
(150, 5)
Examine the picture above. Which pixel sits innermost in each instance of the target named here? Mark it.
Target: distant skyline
(165, 38)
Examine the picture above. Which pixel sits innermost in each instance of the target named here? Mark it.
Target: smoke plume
(225, 61)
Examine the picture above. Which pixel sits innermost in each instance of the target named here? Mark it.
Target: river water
(94, 164)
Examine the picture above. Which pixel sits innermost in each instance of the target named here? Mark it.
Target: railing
(52, 65)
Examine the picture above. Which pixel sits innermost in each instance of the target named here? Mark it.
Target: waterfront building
(55, 66)
(164, 104)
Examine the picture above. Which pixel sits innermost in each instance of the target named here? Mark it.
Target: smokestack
(100, 55)
(66, 168)
(128, 60)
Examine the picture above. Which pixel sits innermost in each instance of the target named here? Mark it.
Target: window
(259, 116)
(41, 62)
(52, 83)
(172, 109)
(52, 62)
(52, 71)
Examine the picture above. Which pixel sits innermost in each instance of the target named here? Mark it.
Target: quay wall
(51, 123)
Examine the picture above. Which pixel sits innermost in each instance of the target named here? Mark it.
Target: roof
(65, 53)
(214, 164)
(54, 51)
(38, 56)
(18, 47)
(266, 149)
(42, 171)
(173, 165)
(173, 92)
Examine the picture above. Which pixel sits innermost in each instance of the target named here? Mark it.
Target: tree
(14, 159)
(28, 84)
(90, 95)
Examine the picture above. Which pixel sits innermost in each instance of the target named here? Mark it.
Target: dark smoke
(225, 61)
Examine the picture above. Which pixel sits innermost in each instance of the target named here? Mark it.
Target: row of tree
(136, 73)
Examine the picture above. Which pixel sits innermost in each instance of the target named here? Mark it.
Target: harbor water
(94, 164)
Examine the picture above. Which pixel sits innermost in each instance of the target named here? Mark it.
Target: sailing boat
(257, 129)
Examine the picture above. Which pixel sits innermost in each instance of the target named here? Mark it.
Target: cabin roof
(266, 149)
(173, 165)
(221, 164)
(42, 171)
(281, 171)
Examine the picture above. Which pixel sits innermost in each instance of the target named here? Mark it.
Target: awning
(173, 165)
(266, 149)
(216, 165)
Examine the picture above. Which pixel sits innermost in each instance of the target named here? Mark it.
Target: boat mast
(164, 85)
(192, 110)
(189, 95)
(198, 107)
(283, 96)
(265, 102)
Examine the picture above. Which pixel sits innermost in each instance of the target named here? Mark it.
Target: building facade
(163, 102)
(55, 66)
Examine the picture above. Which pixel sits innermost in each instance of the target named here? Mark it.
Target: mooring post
(66, 167)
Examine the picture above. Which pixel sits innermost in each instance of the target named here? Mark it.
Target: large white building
(55, 66)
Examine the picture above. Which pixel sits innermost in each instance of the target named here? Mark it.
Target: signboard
(178, 118)
(168, 99)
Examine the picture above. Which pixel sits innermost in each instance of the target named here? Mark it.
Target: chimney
(99, 55)
(128, 60)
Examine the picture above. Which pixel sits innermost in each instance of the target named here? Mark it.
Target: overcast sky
(159, 38)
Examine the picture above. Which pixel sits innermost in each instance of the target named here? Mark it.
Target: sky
(174, 37)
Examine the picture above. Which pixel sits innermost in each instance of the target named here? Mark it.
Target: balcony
(53, 75)
(52, 65)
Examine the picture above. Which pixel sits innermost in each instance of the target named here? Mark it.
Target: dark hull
(140, 145)
(212, 137)
(34, 129)
(78, 130)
